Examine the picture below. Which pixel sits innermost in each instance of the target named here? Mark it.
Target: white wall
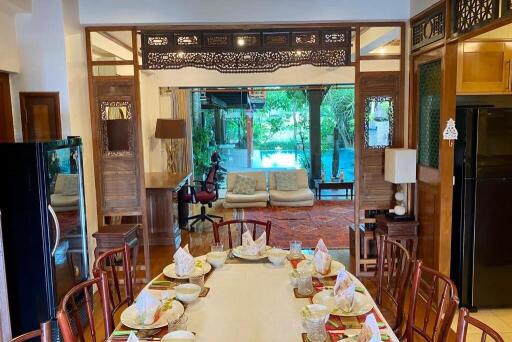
(238, 11)
(42, 55)
(419, 5)
(9, 59)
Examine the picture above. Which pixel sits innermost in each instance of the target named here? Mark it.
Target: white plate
(362, 303)
(170, 270)
(335, 268)
(239, 253)
(179, 335)
(129, 317)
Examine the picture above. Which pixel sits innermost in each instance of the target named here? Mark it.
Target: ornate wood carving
(428, 29)
(506, 7)
(248, 51)
(471, 14)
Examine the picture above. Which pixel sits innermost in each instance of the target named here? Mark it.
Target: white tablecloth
(249, 303)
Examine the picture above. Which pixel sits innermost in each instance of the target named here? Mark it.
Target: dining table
(254, 301)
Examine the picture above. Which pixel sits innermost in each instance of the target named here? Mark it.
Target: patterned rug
(328, 220)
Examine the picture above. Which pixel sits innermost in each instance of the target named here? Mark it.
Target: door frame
(6, 119)
(23, 111)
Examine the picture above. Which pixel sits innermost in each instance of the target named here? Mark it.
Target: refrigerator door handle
(57, 228)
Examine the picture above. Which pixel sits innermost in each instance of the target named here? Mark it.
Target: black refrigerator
(482, 207)
(44, 228)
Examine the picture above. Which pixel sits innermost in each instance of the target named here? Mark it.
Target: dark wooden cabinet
(400, 231)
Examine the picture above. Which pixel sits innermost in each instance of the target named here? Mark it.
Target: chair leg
(193, 223)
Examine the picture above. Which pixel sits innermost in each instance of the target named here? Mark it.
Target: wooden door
(40, 116)
(484, 67)
(433, 103)
(6, 125)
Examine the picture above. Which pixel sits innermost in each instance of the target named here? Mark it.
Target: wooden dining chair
(393, 276)
(77, 306)
(116, 263)
(465, 320)
(253, 225)
(44, 332)
(433, 303)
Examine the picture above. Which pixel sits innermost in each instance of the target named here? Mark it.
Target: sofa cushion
(291, 196)
(259, 176)
(286, 181)
(302, 179)
(58, 200)
(66, 184)
(258, 196)
(245, 185)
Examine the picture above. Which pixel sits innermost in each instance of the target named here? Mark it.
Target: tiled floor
(499, 319)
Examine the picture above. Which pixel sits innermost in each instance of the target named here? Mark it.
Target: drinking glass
(217, 247)
(305, 283)
(295, 249)
(315, 329)
(197, 277)
(179, 323)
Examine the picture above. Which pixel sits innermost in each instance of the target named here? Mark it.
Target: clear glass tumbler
(179, 323)
(295, 249)
(217, 247)
(315, 329)
(305, 283)
(197, 277)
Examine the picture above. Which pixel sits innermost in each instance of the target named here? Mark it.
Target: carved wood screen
(382, 127)
(429, 28)
(115, 132)
(472, 14)
(506, 7)
(246, 51)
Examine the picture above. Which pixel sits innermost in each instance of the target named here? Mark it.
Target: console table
(322, 185)
(399, 231)
(167, 211)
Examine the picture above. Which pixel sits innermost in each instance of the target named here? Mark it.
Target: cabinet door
(483, 67)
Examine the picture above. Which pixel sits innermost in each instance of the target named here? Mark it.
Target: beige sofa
(258, 199)
(302, 197)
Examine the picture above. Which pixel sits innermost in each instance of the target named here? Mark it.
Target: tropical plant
(201, 140)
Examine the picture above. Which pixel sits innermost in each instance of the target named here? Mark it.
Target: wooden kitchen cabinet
(484, 67)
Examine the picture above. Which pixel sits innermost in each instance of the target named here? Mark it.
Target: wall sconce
(450, 132)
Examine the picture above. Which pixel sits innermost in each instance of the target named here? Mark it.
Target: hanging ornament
(450, 132)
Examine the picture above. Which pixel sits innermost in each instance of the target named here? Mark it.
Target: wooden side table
(398, 231)
(116, 235)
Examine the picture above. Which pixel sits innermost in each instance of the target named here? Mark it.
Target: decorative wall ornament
(450, 132)
(506, 7)
(117, 128)
(471, 14)
(428, 29)
(248, 51)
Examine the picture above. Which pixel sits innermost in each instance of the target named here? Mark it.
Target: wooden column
(218, 126)
(315, 98)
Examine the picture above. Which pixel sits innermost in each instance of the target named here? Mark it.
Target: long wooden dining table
(254, 302)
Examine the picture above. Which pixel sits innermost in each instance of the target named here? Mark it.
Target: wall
(419, 5)
(9, 59)
(236, 11)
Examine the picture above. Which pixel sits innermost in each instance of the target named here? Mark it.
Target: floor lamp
(172, 131)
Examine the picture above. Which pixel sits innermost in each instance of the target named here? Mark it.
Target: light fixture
(450, 132)
(400, 168)
(181, 54)
(240, 42)
(382, 50)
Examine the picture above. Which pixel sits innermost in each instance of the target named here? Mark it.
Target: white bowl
(216, 259)
(315, 311)
(276, 256)
(187, 293)
(179, 335)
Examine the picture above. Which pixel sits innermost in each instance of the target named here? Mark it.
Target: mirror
(378, 130)
(117, 127)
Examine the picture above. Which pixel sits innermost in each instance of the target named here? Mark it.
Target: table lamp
(171, 130)
(399, 169)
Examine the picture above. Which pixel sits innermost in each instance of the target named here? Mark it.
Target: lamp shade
(170, 129)
(400, 165)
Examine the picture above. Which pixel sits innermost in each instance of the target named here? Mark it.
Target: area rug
(328, 220)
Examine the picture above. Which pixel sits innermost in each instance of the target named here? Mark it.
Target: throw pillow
(244, 185)
(286, 181)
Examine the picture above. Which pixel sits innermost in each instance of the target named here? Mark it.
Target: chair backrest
(432, 306)
(393, 276)
(302, 179)
(211, 178)
(462, 328)
(239, 226)
(259, 176)
(77, 305)
(109, 263)
(45, 332)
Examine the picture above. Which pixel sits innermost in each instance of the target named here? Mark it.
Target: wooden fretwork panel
(381, 128)
(116, 150)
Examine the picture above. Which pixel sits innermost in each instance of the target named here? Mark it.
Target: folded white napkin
(370, 331)
(344, 291)
(147, 307)
(132, 338)
(322, 258)
(254, 247)
(184, 261)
